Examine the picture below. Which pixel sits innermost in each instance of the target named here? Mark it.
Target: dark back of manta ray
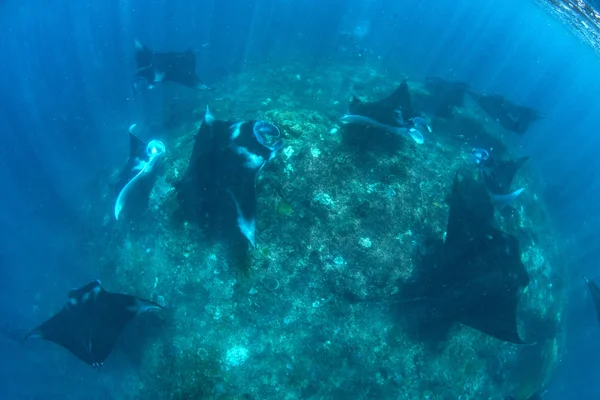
(200, 191)
(144, 57)
(595, 293)
(178, 67)
(111, 313)
(499, 174)
(203, 190)
(474, 278)
(511, 116)
(383, 111)
(90, 329)
(445, 96)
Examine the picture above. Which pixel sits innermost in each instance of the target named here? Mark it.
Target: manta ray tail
(508, 169)
(401, 97)
(498, 176)
(143, 55)
(137, 146)
(139, 46)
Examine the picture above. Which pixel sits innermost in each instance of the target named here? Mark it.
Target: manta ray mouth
(155, 148)
(264, 132)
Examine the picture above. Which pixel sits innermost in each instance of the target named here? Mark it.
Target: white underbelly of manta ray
(144, 163)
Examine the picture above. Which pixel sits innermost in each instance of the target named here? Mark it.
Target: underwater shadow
(410, 308)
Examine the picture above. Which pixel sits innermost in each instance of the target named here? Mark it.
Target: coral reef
(341, 221)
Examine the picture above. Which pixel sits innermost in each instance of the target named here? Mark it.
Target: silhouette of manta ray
(474, 278)
(219, 185)
(511, 116)
(91, 322)
(446, 95)
(393, 110)
(393, 114)
(497, 176)
(154, 67)
(595, 292)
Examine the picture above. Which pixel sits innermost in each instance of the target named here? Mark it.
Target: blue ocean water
(66, 96)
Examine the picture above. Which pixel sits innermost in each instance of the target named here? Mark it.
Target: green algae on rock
(284, 208)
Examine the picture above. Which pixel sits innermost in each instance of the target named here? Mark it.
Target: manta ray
(393, 114)
(497, 176)
(475, 277)
(446, 95)
(139, 174)
(595, 292)
(218, 189)
(154, 68)
(509, 115)
(91, 321)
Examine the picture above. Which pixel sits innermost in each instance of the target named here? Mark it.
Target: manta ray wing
(202, 192)
(495, 278)
(509, 115)
(143, 56)
(180, 68)
(389, 110)
(595, 292)
(446, 95)
(499, 174)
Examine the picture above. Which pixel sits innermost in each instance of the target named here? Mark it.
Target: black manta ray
(393, 114)
(474, 277)
(595, 292)
(138, 176)
(511, 116)
(91, 322)
(154, 67)
(446, 95)
(218, 189)
(497, 176)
